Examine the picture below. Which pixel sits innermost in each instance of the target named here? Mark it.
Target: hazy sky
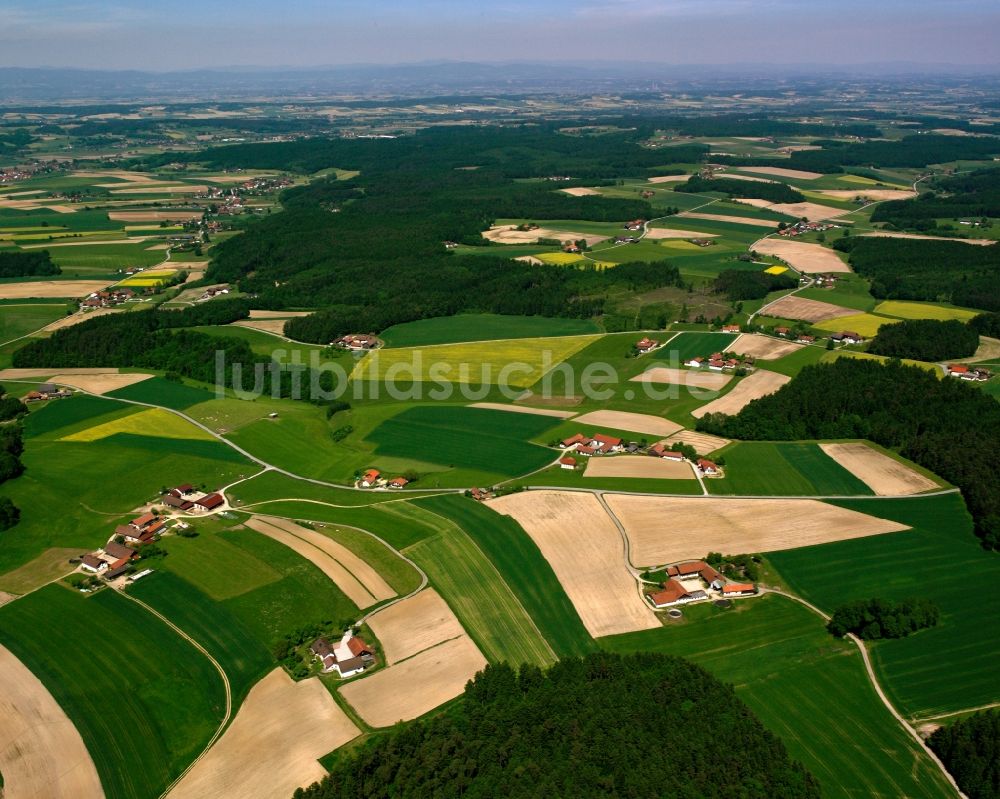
(181, 34)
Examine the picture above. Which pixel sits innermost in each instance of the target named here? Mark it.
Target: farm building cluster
(349, 656)
(800, 338)
(963, 372)
(107, 299)
(47, 391)
(357, 342)
(695, 581)
(373, 478)
(597, 444)
(722, 362)
(802, 226)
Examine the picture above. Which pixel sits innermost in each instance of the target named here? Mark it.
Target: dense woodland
(606, 725)
(17, 263)
(972, 196)
(765, 190)
(11, 447)
(742, 284)
(925, 340)
(986, 324)
(970, 750)
(949, 427)
(936, 271)
(875, 619)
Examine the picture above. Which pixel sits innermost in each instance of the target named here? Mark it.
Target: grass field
(475, 362)
(107, 257)
(556, 476)
(850, 291)
(691, 345)
(947, 668)
(394, 570)
(832, 356)
(153, 422)
(523, 568)
(923, 310)
(217, 566)
(476, 592)
(144, 700)
(271, 486)
(20, 320)
(476, 438)
(482, 327)
(243, 657)
(168, 393)
(782, 469)
(807, 688)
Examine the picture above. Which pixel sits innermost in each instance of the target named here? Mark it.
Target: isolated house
(730, 328)
(646, 345)
(370, 478)
(706, 466)
(398, 482)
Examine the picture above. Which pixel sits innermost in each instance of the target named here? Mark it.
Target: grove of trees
(874, 619)
(19, 263)
(970, 750)
(925, 340)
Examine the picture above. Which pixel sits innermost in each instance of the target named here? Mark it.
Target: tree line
(944, 425)
(765, 190)
(875, 619)
(11, 448)
(975, 195)
(970, 750)
(603, 725)
(925, 340)
(19, 263)
(747, 284)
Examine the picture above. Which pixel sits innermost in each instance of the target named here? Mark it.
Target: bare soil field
(509, 234)
(704, 443)
(580, 192)
(891, 235)
(733, 176)
(583, 546)
(415, 686)
(814, 212)
(121, 174)
(882, 474)
(184, 188)
(781, 172)
(97, 384)
(373, 582)
(277, 314)
(276, 326)
(711, 524)
(674, 233)
(499, 406)
(870, 194)
(793, 307)
(754, 386)
(639, 466)
(273, 745)
(668, 178)
(414, 624)
(41, 753)
(19, 374)
(50, 288)
(683, 377)
(763, 347)
(756, 202)
(636, 422)
(166, 215)
(808, 258)
(75, 319)
(736, 220)
(319, 557)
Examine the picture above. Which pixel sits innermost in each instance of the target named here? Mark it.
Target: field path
(875, 684)
(225, 683)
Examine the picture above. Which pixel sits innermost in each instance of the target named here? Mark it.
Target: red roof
(579, 438)
(647, 343)
(704, 464)
(609, 440)
(674, 455)
(145, 520)
(568, 461)
(211, 501)
(958, 369)
(672, 591)
(691, 567)
(586, 450)
(357, 646)
(737, 588)
(371, 476)
(709, 575)
(398, 481)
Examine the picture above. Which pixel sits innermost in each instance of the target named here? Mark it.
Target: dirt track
(754, 386)
(882, 474)
(42, 756)
(736, 220)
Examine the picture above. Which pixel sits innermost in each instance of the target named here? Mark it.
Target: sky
(185, 34)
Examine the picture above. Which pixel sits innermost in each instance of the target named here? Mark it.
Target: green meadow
(138, 693)
(482, 327)
(20, 320)
(782, 469)
(106, 257)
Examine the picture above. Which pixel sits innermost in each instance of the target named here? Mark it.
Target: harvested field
(698, 525)
(793, 307)
(781, 172)
(808, 258)
(763, 347)
(704, 443)
(736, 220)
(166, 215)
(636, 422)
(275, 326)
(414, 624)
(19, 374)
(754, 386)
(121, 174)
(888, 234)
(756, 202)
(163, 246)
(88, 243)
(499, 406)
(639, 466)
(734, 176)
(76, 318)
(322, 552)
(674, 233)
(416, 686)
(583, 546)
(814, 212)
(273, 745)
(580, 192)
(185, 188)
(882, 474)
(98, 384)
(258, 314)
(683, 377)
(530, 259)
(41, 752)
(668, 179)
(869, 194)
(509, 234)
(50, 288)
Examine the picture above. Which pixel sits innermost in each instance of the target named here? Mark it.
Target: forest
(975, 195)
(741, 284)
(936, 271)
(26, 264)
(986, 324)
(604, 725)
(925, 340)
(970, 750)
(11, 448)
(875, 619)
(765, 190)
(946, 426)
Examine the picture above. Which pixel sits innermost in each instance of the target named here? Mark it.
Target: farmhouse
(674, 593)
(660, 451)
(90, 562)
(357, 342)
(706, 466)
(847, 337)
(695, 363)
(730, 328)
(606, 443)
(350, 656)
(572, 441)
(177, 502)
(635, 224)
(596, 444)
(646, 345)
(963, 372)
(480, 494)
(371, 478)
(398, 482)
(567, 463)
(739, 589)
(144, 521)
(782, 331)
(210, 501)
(805, 339)
(118, 552)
